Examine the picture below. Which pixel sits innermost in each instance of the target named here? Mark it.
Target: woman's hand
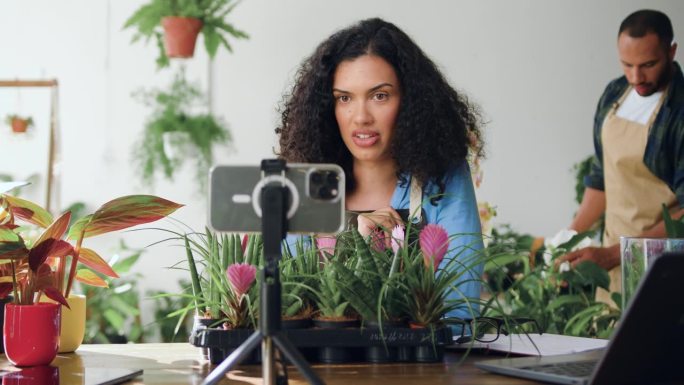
(383, 219)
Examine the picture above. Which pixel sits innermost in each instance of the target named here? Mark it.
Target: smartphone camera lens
(323, 185)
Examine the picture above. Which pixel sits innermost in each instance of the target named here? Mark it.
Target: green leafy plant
(211, 294)
(561, 300)
(426, 284)
(173, 128)
(211, 13)
(298, 272)
(170, 329)
(324, 291)
(113, 315)
(48, 265)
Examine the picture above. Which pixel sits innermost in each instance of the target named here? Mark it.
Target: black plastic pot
(406, 354)
(429, 353)
(203, 323)
(382, 353)
(336, 355)
(298, 323)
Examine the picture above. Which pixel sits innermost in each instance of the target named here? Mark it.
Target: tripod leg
(267, 361)
(233, 359)
(296, 359)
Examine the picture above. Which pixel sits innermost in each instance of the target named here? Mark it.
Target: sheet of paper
(546, 344)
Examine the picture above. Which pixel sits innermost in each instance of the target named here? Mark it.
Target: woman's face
(367, 96)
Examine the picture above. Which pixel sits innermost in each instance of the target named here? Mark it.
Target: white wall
(536, 68)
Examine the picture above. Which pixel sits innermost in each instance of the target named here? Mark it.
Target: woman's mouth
(365, 139)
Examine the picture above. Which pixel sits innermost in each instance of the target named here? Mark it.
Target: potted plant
(173, 134)
(297, 274)
(18, 123)
(181, 21)
(49, 264)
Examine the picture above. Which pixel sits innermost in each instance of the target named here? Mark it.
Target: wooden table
(182, 364)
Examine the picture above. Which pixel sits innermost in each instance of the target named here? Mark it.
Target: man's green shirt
(664, 154)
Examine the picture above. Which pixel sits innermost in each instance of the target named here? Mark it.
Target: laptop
(49, 375)
(646, 348)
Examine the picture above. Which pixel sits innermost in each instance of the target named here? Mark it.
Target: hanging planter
(180, 22)
(180, 35)
(19, 124)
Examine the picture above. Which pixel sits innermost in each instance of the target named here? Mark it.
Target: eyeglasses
(476, 328)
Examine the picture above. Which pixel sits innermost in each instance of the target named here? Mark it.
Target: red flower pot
(31, 333)
(37, 375)
(180, 35)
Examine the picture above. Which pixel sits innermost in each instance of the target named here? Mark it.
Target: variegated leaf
(54, 248)
(11, 245)
(57, 229)
(28, 211)
(56, 296)
(89, 278)
(124, 212)
(91, 259)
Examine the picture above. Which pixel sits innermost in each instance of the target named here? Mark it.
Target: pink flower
(326, 245)
(241, 276)
(245, 239)
(378, 240)
(397, 238)
(434, 242)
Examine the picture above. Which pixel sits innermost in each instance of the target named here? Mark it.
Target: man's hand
(606, 257)
(385, 219)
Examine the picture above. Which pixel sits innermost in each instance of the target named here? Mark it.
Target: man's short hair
(639, 23)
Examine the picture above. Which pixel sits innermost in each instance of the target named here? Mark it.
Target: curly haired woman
(371, 101)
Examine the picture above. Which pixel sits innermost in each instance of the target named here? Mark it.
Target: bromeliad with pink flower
(241, 277)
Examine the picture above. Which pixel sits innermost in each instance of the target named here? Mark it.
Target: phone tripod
(273, 201)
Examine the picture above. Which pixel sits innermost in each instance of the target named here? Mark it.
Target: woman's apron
(634, 196)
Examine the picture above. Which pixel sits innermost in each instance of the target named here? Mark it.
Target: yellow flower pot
(73, 323)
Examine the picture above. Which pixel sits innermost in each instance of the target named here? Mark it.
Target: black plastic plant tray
(339, 345)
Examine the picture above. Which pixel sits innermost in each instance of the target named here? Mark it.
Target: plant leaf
(122, 213)
(11, 245)
(54, 248)
(28, 211)
(56, 230)
(91, 259)
(56, 295)
(87, 277)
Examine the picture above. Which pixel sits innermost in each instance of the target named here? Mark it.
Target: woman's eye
(380, 96)
(343, 98)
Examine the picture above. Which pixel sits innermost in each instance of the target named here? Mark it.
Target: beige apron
(634, 196)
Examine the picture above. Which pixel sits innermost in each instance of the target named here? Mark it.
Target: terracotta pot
(31, 333)
(180, 35)
(19, 125)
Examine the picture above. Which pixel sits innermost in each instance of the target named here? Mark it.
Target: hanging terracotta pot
(19, 125)
(31, 333)
(180, 35)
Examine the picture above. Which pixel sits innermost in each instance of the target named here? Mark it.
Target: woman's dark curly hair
(435, 125)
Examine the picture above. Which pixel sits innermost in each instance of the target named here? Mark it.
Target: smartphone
(315, 196)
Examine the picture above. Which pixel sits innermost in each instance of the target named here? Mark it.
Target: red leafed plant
(49, 264)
